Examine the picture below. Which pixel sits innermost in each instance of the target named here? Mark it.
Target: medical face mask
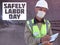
(41, 14)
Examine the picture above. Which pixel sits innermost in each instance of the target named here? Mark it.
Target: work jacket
(34, 32)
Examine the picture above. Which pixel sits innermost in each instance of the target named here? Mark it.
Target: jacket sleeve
(50, 30)
(29, 39)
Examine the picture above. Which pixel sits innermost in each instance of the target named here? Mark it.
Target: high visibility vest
(38, 33)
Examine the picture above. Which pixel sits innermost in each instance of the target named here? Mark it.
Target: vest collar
(36, 21)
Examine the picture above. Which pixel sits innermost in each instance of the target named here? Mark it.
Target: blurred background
(12, 32)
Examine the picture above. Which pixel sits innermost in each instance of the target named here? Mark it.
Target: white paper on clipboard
(53, 37)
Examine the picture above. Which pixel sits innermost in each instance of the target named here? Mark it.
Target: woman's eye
(40, 9)
(44, 10)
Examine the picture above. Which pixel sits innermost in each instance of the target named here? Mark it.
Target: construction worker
(38, 30)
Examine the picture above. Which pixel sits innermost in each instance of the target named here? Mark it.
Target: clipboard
(53, 37)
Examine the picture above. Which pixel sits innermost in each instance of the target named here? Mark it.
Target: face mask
(41, 14)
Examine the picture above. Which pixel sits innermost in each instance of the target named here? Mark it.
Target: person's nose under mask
(41, 14)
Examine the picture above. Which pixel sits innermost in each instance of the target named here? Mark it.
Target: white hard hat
(42, 3)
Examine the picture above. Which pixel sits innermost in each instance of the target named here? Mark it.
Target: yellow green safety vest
(38, 33)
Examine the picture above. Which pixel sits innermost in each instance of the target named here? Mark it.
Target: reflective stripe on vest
(38, 33)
